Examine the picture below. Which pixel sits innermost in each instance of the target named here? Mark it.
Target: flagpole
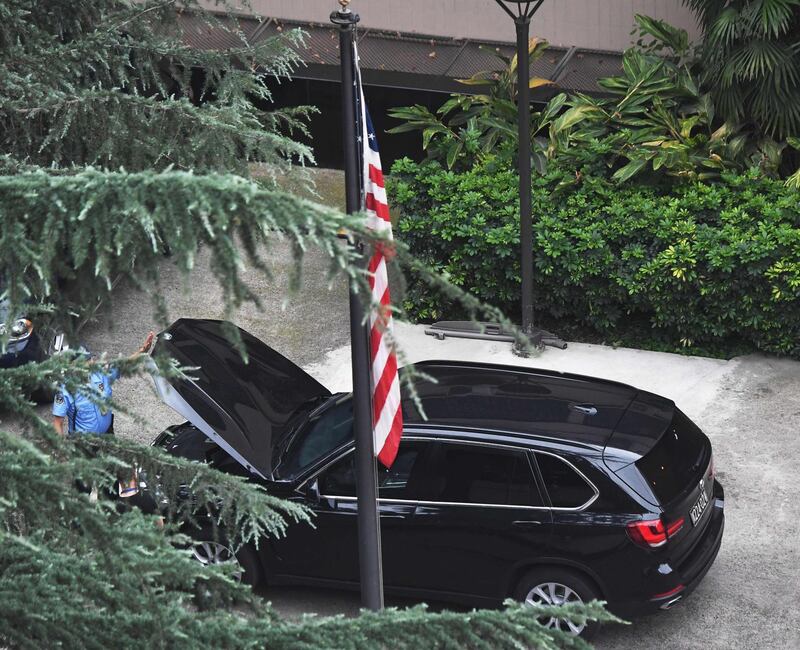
(369, 532)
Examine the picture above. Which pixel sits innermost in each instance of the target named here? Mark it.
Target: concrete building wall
(593, 24)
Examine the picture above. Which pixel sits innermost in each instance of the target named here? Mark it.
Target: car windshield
(319, 437)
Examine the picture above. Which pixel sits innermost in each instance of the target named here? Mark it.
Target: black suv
(543, 486)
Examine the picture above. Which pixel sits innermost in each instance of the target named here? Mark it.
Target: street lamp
(521, 13)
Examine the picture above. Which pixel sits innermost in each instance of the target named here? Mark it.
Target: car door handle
(525, 523)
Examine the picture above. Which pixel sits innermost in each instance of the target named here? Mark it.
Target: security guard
(78, 414)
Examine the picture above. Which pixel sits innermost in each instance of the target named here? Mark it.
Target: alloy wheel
(215, 553)
(555, 593)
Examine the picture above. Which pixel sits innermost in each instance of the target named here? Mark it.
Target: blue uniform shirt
(82, 415)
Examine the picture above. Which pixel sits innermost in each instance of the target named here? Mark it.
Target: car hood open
(245, 407)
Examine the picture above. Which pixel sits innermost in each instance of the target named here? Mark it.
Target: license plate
(700, 505)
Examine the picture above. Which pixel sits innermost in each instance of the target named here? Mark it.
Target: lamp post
(521, 12)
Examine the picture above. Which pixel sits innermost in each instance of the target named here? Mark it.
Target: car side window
(567, 488)
(340, 479)
(478, 474)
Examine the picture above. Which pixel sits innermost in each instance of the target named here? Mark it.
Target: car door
(480, 515)
(329, 551)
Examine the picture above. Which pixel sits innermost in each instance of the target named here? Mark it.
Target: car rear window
(677, 461)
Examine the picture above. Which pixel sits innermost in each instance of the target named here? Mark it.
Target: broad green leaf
(631, 169)
(793, 182)
(723, 132)
(536, 47)
(688, 124)
(403, 128)
(449, 105)
(552, 109)
(452, 153)
(429, 133)
(539, 162)
(538, 82)
(736, 146)
(673, 37)
(572, 117)
(477, 80)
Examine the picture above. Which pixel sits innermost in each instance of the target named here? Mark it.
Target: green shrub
(708, 267)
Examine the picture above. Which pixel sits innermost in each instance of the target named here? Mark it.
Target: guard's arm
(60, 424)
(148, 341)
(145, 347)
(61, 408)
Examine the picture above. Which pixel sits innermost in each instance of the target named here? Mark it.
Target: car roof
(525, 402)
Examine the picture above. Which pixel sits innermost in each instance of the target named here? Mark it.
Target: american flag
(387, 417)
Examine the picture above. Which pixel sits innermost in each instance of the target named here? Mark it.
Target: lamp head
(519, 9)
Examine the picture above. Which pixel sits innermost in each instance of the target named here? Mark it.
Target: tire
(248, 559)
(552, 583)
(207, 550)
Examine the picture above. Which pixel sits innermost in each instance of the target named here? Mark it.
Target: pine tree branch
(414, 628)
(59, 226)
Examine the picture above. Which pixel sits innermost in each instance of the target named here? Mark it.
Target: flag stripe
(376, 173)
(373, 205)
(383, 424)
(383, 386)
(387, 418)
(389, 451)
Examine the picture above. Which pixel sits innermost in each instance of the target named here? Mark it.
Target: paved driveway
(750, 408)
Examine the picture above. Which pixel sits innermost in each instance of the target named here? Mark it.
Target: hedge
(704, 267)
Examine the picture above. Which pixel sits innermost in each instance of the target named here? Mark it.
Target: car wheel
(208, 551)
(251, 565)
(557, 586)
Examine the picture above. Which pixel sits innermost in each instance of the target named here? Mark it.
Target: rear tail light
(653, 533)
(711, 469)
